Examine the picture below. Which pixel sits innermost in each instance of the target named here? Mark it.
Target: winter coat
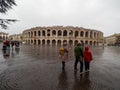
(87, 55)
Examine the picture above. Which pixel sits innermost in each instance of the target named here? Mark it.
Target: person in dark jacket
(87, 58)
(78, 50)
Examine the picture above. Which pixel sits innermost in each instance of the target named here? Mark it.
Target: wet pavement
(38, 68)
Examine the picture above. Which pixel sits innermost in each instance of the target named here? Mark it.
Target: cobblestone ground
(38, 68)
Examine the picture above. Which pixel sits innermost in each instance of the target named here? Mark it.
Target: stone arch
(86, 42)
(70, 42)
(76, 42)
(43, 42)
(59, 33)
(43, 33)
(86, 34)
(48, 42)
(65, 33)
(64, 41)
(76, 34)
(90, 42)
(34, 33)
(31, 34)
(59, 42)
(34, 41)
(39, 33)
(53, 42)
(94, 43)
(48, 32)
(81, 33)
(31, 41)
(39, 42)
(53, 33)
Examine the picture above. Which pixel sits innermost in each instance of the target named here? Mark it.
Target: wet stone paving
(39, 68)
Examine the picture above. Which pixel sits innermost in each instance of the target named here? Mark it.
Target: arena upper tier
(57, 35)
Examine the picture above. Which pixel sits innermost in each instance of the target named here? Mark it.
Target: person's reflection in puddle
(63, 83)
(17, 50)
(82, 81)
(6, 53)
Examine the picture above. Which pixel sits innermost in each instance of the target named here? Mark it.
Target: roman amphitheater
(57, 35)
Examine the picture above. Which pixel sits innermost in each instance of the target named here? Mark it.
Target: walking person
(78, 50)
(12, 44)
(87, 58)
(63, 54)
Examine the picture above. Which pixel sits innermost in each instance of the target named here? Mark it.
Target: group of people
(82, 55)
(7, 44)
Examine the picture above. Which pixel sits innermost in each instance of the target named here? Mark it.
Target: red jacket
(87, 55)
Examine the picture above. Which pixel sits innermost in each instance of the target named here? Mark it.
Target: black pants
(63, 65)
(87, 65)
(81, 63)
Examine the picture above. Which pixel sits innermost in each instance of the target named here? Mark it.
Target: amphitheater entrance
(43, 42)
(70, 42)
(53, 42)
(76, 42)
(48, 42)
(59, 43)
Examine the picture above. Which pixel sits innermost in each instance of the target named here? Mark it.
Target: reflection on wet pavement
(38, 68)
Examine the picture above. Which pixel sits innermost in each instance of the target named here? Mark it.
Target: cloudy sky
(103, 15)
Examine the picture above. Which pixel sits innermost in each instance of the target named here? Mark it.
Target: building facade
(57, 35)
(113, 39)
(16, 37)
(3, 36)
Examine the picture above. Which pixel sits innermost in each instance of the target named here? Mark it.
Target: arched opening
(76, 34)
(53, 33)
(76, 42)
(64, 33)
(53, 42)
(48, 32)
(38, 42)
(81, 33)
(94, 43)
(70, 42)
(31, 34)
(64, 41)
(86, 42)
(59, 33)
(59, 42)
(43, 33)
(91, 43)
(34, 41)
(31, 41)
(48, 42)
(38, 33)
(34, 33)
(86, 34)
(43, 42)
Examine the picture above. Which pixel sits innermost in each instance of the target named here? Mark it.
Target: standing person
(12, 44)
(78, 50)
(87, 58)
(63, 53)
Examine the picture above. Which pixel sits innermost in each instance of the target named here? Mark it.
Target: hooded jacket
(87, 55)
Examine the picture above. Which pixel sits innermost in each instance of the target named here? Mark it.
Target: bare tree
(6, 5)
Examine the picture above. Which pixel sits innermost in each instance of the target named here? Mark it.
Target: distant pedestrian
(78, 50)
(12, 44)
(63, 54)
(87, 58)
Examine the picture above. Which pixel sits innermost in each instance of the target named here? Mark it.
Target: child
(87, 58)
(63, 53)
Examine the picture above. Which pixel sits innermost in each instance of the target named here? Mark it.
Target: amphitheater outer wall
(57, 35)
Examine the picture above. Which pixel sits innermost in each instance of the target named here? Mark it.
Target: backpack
(61, 51)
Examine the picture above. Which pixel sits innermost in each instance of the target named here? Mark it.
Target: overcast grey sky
(103, 15)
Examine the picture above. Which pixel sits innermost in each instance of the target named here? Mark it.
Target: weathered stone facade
(16, 37)
(113, 39)
(57, 35)
(3, 36)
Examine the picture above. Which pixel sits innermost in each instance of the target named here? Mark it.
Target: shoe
(81, 72)
(86, 70)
